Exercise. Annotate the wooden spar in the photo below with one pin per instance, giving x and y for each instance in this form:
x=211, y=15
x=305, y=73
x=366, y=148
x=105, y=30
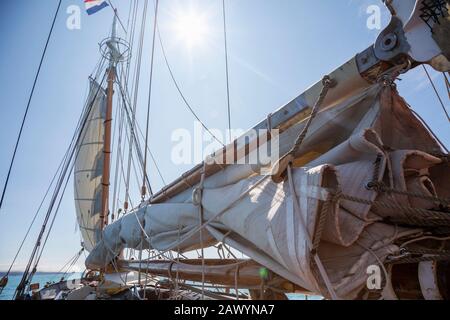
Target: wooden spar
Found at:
x=107, y=147
x=240, y=273
x=349, y=82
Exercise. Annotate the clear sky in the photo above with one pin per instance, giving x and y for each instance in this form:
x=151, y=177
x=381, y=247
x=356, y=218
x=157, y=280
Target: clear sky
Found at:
x=277, y=49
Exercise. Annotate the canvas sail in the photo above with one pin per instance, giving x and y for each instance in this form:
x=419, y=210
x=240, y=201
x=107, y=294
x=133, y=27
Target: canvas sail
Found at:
x=267, y=226
x=89, y=167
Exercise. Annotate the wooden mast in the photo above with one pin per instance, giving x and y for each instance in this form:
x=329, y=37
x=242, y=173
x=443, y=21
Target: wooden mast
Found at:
x=108, y=126
x=107, y=147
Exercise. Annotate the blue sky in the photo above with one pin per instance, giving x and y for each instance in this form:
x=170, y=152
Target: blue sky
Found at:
x=277, y=49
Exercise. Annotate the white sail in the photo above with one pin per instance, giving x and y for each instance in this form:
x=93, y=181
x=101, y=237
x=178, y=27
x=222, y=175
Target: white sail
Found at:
x=89, y=167
x=268, y=227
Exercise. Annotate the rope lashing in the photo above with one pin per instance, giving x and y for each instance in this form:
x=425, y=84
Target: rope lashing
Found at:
x=316, y=259
x=376, y=173
x=382, y=188
x=321, y=224
x=281, y=166
x=408, y=259
x=426, y=217
x=327, y=83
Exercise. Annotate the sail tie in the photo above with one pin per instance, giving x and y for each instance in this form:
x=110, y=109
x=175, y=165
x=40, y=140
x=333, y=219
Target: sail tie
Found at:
x=309, y=241
x=281, y=166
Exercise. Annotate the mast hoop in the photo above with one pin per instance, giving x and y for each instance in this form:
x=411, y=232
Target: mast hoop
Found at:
x=115, y=50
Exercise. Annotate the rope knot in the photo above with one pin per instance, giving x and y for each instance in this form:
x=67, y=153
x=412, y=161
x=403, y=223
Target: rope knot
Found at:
x=197, y=196
x=377, y=186
x=336, y=196
x=328, y=82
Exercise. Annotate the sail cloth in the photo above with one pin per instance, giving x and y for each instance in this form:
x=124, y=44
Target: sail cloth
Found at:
x=88, y=168
x=265, y=224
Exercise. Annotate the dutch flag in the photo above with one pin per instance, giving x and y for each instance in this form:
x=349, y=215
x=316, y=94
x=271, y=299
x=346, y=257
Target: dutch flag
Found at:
x=92, y=6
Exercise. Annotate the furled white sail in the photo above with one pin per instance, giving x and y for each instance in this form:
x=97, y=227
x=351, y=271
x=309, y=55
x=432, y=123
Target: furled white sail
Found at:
x=89, y=167
x=272, y=223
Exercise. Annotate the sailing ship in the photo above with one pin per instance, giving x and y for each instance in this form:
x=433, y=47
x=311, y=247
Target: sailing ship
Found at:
x=360, y=183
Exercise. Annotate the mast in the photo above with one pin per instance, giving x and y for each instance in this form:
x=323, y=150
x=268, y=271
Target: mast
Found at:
x=107, y=148
x=113, y=55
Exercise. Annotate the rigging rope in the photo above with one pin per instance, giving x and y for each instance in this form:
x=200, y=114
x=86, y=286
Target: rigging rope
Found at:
x=227, y=70
x=137, y=72
x=69, y=264
x=151, y=155
x=437, y=93
x=428, y=128
x=155, y=23
x=447, y=84
x=131, y=24
x=285, y=161
x=29, y=103
x=133, y=138
x=139, y=130
x=35, y=255
x=177, y=86
x=117, y=15
x=63, y=160
x=34, y=219
x=118, y=163
x=41, y=247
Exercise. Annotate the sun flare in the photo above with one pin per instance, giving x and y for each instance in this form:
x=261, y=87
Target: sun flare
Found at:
x=191, y=28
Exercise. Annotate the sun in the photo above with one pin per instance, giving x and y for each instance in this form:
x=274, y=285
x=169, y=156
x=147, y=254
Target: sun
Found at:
x=191, y=28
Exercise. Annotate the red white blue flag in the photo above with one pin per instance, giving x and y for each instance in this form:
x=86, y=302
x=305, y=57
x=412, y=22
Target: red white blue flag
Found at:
x=93, y=6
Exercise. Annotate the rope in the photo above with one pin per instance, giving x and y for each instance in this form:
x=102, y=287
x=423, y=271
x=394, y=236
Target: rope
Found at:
x=327, y=83
x=321, y=224
x=429, y=129
x=404, y=260
x=139, y=130
x=193, y=232
x=28, y=104
x=427, y=217
x=386, y=274
x=143, y=193
x=131, y=24
x=74, y=261
x=134, y=106
x=437, y=93
x=51, y=224
x=177, y=86
x=132, y=140
x=227, y=69
x=309, y=242
x=447, y=84
x=71, y=153
x=70, y=261
x=380, y=187
x=118, y=163
x=117, y=15
x=35, y=216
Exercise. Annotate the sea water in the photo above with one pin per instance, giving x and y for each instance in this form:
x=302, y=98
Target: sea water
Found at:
x=44, y=278
x=41, y=278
